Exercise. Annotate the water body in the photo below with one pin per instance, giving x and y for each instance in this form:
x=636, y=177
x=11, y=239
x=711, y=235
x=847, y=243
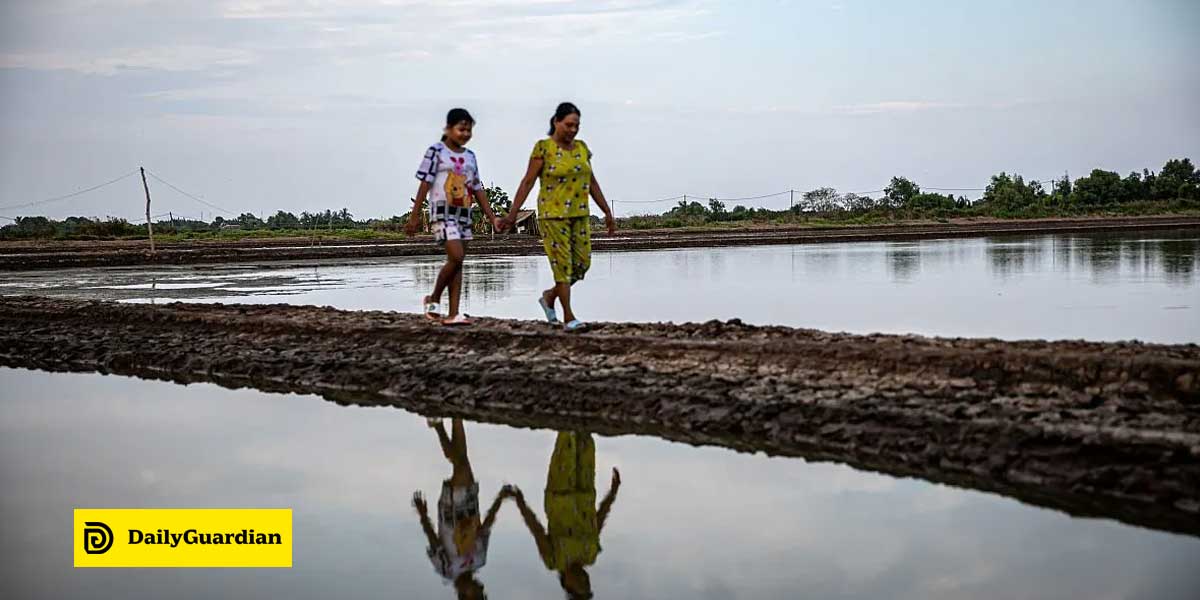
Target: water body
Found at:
x=685, y=522
x=1097, y=286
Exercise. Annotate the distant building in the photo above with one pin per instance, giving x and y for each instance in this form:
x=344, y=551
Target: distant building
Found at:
x=527, y=223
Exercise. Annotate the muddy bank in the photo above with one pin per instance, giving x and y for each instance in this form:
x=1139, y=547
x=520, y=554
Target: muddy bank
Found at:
x=1100, y=429
x=16, y=256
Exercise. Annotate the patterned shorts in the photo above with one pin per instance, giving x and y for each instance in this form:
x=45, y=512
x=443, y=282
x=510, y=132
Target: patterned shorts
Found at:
x=568, y=244
x=451, y=229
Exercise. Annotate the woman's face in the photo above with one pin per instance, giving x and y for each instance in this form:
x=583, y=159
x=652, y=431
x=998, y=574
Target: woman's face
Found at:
x=460, y=132
x=567, y=128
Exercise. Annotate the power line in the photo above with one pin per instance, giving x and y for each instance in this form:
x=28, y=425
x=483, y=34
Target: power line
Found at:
x=71, y=195
x=204, y=202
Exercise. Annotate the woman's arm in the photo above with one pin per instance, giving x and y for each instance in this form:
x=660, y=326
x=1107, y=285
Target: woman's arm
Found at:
x=414, y=217
x=598, y=195
x=531, y=174
x=609, y=498
x=535, y=527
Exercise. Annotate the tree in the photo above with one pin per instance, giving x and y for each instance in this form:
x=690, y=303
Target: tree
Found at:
x=249, y=221
x=283, y=220
x=1173, y=176
x=900, y=192
x=820, y=200
x=1011, y=193
x=1100, y=188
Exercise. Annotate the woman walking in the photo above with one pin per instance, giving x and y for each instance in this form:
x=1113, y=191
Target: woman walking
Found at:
x=564, y=166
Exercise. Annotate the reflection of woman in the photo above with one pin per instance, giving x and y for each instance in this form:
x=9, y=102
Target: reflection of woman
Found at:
x=572, y=540
x=564, y=166
x=459, y=546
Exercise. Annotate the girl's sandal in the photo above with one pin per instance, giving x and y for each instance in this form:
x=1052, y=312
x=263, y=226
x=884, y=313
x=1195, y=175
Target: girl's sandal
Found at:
x=457, y=321
x=575, y=326
x=433, y=311
x=551, y=318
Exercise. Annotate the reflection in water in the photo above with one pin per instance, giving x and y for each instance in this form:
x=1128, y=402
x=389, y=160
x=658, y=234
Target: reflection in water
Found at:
x=571, y=542
x=1103, y=258
x=904, y=262
x=568, y=544
x=1096, y=286
x=458, y=548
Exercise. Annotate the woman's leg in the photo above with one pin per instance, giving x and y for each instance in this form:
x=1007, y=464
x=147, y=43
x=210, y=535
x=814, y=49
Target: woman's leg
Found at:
x=580, y=259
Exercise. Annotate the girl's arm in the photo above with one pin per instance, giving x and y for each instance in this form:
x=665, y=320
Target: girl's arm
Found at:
x=426, y=526
x=531, y=175
x=490, y=518
x=598, y=195
x=481, y=198
x=414, y=217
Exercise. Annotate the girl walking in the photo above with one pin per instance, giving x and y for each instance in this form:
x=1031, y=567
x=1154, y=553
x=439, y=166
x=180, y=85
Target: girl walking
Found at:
x=449, y=176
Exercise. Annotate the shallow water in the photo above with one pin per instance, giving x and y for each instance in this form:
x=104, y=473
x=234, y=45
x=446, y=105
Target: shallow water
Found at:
x=686, y=522
x=1097, y=286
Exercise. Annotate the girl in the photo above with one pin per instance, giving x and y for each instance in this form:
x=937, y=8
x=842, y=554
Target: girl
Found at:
x=564, y=165
x=458, y=547
x=449, y=175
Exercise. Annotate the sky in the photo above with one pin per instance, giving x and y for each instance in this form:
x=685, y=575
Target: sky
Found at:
x=263, y=105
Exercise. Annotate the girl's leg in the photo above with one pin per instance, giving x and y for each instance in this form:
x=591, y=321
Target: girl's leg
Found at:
x=456, y=286
x=454, y=259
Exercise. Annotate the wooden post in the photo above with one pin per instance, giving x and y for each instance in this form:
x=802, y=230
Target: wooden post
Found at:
x=791, y=199
x=149, y=225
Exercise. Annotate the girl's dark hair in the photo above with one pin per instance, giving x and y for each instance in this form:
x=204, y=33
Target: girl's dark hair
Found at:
x=456, y=116
x=560, y=113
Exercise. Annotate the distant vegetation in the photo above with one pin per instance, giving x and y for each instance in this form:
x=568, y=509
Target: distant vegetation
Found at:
x=1175, y=189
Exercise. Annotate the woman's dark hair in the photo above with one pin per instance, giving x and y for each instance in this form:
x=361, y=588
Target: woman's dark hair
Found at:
x=560, y=113
x=456, y=116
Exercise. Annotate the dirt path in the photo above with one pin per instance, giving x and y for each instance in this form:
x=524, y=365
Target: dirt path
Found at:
x=20, y=256
x=1102, y=429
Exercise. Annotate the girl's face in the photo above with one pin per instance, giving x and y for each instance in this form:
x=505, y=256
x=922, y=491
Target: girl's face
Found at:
x=567, y=128
x=460, y=132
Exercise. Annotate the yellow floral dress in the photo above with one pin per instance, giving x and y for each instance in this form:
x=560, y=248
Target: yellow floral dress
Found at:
x=566, y=180
x=571, y=503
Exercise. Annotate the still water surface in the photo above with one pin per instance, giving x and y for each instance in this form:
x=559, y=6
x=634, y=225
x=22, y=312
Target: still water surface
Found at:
x=686, y=522
x=1097, y=287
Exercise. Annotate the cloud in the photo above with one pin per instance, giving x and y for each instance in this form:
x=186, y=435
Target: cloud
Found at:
x=171, y=59
x=894, y=106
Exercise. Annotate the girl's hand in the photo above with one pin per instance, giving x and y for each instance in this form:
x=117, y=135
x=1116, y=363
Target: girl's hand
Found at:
x=497, y=223
x=611, y=223
x=418, y=502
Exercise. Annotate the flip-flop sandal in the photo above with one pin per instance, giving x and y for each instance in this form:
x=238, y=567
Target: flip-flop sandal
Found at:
x=457, y=321
x=433, y=311
x=551, y=318
x=575, y=326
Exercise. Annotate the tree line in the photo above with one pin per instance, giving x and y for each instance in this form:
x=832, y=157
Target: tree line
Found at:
x=1174, y=187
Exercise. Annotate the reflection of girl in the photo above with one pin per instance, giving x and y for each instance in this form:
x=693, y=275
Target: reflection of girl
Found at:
x=459, y=546
x=572, y=541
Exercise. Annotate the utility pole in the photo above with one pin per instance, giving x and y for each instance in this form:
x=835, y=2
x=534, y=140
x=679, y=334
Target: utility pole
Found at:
x=149, y=225
x=791, y=199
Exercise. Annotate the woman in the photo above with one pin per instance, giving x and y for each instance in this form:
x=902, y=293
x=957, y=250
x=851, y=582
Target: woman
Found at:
x=570, y=542
x=564, y=166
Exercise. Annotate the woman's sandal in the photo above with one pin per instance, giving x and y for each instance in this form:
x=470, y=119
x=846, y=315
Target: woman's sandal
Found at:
x=574, y=326
x=433, y=311
x=551, y=318
x=457, y=321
